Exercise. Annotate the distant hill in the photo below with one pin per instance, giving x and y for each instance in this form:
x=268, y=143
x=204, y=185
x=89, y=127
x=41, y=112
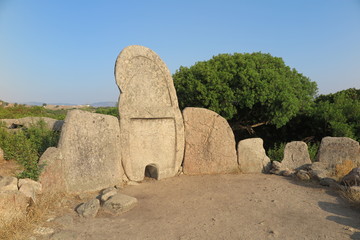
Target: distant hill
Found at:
x=41, y=103
x=104, y=104
x=97, y=104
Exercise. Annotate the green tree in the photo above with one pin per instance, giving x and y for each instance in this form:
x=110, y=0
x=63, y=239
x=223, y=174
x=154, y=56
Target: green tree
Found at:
x=249, y=90
x=339, y=113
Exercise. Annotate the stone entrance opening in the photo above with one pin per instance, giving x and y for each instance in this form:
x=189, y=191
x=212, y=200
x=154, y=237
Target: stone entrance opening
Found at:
x=151, y=171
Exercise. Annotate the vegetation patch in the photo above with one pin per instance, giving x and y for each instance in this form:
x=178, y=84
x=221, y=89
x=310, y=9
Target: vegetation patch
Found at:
x=276, y=153
x=22, y=228
x=20, y=111
x=27, y=145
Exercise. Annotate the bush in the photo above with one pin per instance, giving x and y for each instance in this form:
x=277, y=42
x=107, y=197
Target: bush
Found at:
x=20, y=111
x=276, y=153
x=26, y=146
x=113, y=111
x=313, y=149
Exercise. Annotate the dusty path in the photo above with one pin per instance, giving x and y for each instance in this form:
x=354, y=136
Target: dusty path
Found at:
x=227, y=207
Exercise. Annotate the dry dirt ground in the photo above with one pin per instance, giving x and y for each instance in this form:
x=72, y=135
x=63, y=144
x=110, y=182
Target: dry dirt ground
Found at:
x=239, y=206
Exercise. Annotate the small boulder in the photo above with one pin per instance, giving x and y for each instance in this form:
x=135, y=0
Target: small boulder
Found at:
x=303, y=175
x=276, y=165
x=287, y=173
x=107, y=193
x=119, y=203
x=296, y=154
x=352, y=178
x=252, y=157
x=320, y=170
x=8, y=183
x=327, y=182
x=29, y=187
x=89, y=208
x=355, y=189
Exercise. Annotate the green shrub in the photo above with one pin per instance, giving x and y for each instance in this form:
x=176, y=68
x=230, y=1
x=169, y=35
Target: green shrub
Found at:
x=313, y=149
x=113, y=111
x=20, y=111
x=26, y=146
x=276, y=153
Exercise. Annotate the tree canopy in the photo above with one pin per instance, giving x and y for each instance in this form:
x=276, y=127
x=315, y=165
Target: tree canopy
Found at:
x=246, y=89
x=340, y=113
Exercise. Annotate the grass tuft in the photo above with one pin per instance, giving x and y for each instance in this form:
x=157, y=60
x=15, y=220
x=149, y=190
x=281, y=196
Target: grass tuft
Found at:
x=22, y=228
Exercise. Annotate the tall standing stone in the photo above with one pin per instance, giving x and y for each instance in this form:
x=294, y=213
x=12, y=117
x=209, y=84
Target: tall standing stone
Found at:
x=335, y=150
x=209, y=143
x=152, y=129
x=87, y=157
x=296, y=154
x=252, y=156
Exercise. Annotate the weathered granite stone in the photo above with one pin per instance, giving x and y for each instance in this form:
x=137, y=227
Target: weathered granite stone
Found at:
x=13, y=205
x=8, y=183
x=327, y=182
x=107, y=194
x=52, y=178
x=50, y=123
x=352, y=178
x=287, y=173
x=334, y=150
x=320, y=170
x=209, y=143
x=296, y=154
x=88, y=155
x=355, y=189
x=276, y=165
x=252, y=157
x=30, y=188
x=276, y=168
x=303, y=175
x=89, y=208
x=119, y=203
x=152, y=129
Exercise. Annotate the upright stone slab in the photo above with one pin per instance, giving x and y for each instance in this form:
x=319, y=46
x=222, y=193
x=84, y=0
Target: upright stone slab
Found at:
x=296, y=154
x=88, y=154
x=152, y=129
x=335, y=150
x=252, y=156
x=209, y=143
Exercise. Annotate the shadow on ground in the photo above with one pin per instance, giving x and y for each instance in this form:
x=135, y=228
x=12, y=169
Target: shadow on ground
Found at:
x=342, y=212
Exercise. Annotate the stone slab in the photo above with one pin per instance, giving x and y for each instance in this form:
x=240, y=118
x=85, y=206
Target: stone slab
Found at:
x=252, y=157
x=152, y=129
x=334, y=150
x=119, y=203
x=209, y=143
x=296, y=154
x=88, y=154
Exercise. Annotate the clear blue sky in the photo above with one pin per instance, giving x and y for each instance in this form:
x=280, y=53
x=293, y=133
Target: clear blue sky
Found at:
x=64, y=51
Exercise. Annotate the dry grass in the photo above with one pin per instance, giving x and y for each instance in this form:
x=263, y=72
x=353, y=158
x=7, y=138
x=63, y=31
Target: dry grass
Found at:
x=36, y=213
x=344, y=168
